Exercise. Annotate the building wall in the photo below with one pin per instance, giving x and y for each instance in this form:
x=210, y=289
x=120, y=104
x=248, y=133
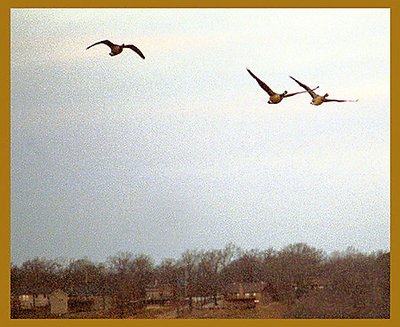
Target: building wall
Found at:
x=29, y=301
x=26, y=301
x=58, y=302
x=153, y=295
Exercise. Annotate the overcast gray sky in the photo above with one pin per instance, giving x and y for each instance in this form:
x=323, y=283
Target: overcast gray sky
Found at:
x=181, y=150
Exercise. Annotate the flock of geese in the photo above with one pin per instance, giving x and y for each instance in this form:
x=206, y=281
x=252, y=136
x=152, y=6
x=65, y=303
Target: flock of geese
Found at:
x=274, y=98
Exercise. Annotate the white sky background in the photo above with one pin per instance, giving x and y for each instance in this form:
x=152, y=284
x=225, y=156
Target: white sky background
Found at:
x=181, y=150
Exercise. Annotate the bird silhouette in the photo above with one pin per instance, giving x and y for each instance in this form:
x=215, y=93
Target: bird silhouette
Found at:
x=117, y=49
x=318, y=99
x=274, y=98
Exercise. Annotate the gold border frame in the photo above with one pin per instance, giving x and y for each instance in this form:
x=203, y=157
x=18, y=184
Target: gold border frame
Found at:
x=6, y=5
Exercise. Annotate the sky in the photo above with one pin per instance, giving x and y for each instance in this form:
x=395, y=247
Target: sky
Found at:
x=181, y=150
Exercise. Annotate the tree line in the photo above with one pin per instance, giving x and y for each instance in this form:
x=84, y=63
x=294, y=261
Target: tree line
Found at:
x=347, y=284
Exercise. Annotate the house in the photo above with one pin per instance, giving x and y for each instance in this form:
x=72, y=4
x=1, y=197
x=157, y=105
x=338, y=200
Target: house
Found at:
x=103, y=303
x=58, y=302
x=159, y=293
x=318, y=283
x=90, y=299
x=246, y=293
x=31, y=301
x=62, y=301
x=31, y=298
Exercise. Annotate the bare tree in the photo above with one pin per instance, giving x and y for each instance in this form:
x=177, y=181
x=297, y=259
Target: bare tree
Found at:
x=167, y=273
x=357, y=285
x=142, y=273
x=298, y=266
x=131, y=274
x=187, y=281
x=211, y=279
x=120, y=267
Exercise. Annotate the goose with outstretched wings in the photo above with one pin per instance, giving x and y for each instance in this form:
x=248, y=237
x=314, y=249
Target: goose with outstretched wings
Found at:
x=117, y=49
x=318, y=99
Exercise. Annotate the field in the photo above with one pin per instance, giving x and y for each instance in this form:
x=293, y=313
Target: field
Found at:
x=261, y=311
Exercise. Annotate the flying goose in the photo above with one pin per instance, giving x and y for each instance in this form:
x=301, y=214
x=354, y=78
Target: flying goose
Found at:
x=274, y=98
x=318, y=99
x=117, y=49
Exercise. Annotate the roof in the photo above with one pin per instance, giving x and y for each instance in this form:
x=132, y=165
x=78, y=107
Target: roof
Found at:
x=58, y=292
x=247, y=287
x=88, y=290
x=31, y=290
x=158, y=288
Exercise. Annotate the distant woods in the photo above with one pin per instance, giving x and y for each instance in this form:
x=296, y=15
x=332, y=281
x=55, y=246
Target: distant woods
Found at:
x=347, y=284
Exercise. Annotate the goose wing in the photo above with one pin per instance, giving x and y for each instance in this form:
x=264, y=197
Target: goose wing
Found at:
x=106, y=42
x=329, y=100
x=291, y=94
x=311, y=92
x=264, y=86
x=131, y=46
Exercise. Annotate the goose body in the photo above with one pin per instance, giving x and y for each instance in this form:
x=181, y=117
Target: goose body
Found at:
x=274, y=98
x=316, y=98
x=117, y=49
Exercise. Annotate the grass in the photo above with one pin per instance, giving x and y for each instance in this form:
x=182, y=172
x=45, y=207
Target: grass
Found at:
x=261, y=311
